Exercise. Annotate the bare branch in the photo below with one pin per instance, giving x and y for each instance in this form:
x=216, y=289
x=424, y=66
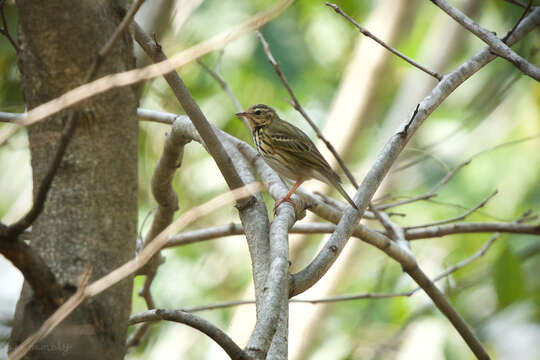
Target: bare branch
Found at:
x=146, y=294
x=223, y=84
x=525, y=12
x=17, y=228
x=431, y=193
x=7, y=117
x=214, y=333
x=5, y=30
x=162, y=190
x=518, y=3
x=35, y=271
x=386, y=46
x=395, y=231
x=462, y=228
x=272, y=313
x=300, y=109
x=457, y=218
x=497, y=45
x=219, y=231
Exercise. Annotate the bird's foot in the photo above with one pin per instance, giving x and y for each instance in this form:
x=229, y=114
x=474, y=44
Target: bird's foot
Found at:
x=281, y=201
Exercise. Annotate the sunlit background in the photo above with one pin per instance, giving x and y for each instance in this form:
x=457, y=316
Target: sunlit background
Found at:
x=359, y=94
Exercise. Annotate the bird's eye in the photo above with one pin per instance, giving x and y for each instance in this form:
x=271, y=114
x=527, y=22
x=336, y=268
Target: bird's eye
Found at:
x=257, y=112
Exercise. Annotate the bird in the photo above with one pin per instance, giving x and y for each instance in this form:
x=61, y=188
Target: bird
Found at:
x=289, y=151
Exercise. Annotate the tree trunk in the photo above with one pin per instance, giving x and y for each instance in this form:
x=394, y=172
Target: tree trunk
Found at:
x=90, y=215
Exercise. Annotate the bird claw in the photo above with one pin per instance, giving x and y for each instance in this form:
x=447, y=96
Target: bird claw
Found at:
x=281, y=201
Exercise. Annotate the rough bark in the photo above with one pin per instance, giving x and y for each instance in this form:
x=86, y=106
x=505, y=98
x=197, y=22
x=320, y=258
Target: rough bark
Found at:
x=90, y=215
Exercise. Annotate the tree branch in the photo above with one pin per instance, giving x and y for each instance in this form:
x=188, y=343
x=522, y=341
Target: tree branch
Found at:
x=271, y=313
x=461, y=228
x=207, y=328
x=497, y=45
x=5, y=30
x=525, y=12
x=382, y=43
x=457, y=218
x=34, y=269
x=431, y=193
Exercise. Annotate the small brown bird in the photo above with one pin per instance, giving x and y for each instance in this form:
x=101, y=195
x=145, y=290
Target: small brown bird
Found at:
x=289, y=151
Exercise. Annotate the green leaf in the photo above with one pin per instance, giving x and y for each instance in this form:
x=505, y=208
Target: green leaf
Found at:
x=508, y=278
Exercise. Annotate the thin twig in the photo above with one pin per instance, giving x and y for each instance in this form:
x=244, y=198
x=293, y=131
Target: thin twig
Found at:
x=224, y=85
x=394, y=231
x=296, y=104
x=518, y=3
x=479, y=253
x=5, y=30
x=525, y=12
x=106, y=49
x=146, y=294
x=386, y=46
x=431, y=193
x=457, y=218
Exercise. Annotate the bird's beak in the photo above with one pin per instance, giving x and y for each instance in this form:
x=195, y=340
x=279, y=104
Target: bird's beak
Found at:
x=241, y=114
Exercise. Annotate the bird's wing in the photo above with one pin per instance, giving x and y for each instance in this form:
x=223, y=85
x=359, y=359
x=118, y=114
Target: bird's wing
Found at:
x=288, y=139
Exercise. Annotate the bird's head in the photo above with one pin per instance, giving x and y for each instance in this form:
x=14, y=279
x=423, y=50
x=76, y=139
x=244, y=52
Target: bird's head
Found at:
x=259, y=115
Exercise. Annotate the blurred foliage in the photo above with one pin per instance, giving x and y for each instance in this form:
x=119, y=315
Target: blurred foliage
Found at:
x=501, y=290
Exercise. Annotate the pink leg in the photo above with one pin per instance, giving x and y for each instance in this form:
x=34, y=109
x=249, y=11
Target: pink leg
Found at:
x=288, y=196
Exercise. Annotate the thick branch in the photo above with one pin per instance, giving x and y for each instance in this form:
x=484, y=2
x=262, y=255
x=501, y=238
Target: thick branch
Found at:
x=276, y=287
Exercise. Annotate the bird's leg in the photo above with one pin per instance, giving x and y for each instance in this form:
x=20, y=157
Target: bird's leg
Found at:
x=288, y=196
